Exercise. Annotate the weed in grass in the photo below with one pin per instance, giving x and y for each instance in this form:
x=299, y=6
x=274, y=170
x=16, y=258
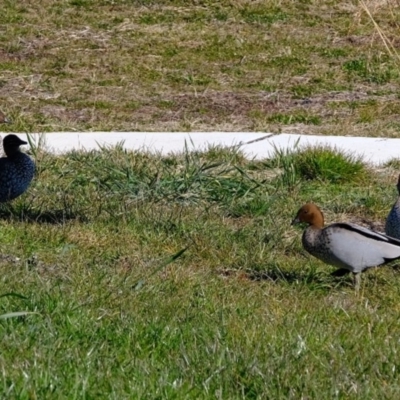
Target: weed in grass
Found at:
x=324, y=163
x=369, y=70
x=263, y=15
x=318, y=163
x=393, y=163
x=301, y=91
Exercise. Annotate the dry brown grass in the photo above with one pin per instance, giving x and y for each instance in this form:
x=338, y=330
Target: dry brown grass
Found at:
x=314, y=67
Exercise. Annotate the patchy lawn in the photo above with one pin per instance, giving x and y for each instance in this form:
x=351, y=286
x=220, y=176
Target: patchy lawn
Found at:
x=293, y=66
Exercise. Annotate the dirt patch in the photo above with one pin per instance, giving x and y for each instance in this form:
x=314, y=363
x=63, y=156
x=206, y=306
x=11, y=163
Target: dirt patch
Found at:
x=216, y=104
x=24, y=49
x=64, y=114
x=219, y=105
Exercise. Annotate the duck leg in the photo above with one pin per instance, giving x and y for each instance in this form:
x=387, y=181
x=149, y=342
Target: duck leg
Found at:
x=357, y=280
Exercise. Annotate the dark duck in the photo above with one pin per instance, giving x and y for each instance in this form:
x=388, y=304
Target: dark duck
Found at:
x=16, y=169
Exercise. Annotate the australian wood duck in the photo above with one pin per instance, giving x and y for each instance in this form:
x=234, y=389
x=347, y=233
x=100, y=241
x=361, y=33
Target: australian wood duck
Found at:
x=346, y=246
x=16, y=169
x=392, y=227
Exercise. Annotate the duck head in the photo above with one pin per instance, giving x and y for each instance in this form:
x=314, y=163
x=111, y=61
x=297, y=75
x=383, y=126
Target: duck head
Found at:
x=11, y=144
x=311, y=215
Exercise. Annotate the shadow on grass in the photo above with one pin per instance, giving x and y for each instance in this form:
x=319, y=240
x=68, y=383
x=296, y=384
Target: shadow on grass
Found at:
x=311, y=278
x=56, y=217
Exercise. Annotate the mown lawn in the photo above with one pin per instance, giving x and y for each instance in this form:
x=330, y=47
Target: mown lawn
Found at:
x=322, y=67
x=181, y=277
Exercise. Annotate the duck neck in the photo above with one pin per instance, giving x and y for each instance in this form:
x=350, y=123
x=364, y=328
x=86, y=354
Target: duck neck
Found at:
x=12, y=152
x=318, y=221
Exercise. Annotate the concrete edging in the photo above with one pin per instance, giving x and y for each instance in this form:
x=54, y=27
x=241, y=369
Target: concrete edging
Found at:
x=256, y=145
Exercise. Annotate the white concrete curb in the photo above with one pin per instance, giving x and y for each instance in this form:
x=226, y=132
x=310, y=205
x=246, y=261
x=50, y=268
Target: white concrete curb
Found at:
x=256, y=145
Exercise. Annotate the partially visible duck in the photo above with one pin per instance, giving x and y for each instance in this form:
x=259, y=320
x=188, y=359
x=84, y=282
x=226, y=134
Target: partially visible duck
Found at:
x=346, y=246
x=16, y=169
x=4, y=119
x=392, y=227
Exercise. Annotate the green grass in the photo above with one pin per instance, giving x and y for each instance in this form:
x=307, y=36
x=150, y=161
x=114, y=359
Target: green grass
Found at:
x=130, y=275
x=200, y=65
x=320, y=163
x=181, y=277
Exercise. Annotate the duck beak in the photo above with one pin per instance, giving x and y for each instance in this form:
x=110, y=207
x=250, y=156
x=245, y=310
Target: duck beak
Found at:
x=295, y=221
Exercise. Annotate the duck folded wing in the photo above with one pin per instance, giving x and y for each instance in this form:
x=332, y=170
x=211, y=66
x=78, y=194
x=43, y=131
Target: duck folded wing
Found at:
x=361, y=248
x=368, y=233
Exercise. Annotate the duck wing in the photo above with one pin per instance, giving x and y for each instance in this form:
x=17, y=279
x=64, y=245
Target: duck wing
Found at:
x=392, y=226
x=360, y=248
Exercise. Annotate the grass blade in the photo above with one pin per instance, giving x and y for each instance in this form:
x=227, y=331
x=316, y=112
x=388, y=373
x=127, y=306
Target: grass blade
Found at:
x=139, y=284
x=20, y=296
x=16, y=314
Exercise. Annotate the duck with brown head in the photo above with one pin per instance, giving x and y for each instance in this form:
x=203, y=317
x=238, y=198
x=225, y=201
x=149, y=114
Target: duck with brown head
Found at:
x=16, y=169
x=346, y=246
